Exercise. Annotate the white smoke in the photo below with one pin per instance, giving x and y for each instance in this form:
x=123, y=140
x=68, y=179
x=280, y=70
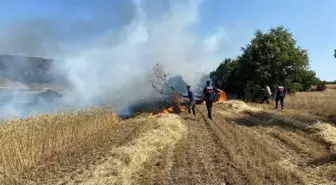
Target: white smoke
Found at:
x=115, y=65
x=169, y=40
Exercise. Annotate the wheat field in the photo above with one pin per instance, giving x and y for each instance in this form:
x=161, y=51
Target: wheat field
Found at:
x=244, y=144
x=320, y=104
x=32, y=141
x=310, y=106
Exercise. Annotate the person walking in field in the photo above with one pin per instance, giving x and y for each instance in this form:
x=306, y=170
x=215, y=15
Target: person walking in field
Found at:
x=209, y=97
x=267, y=95
x=280, y=94
x=192, y=101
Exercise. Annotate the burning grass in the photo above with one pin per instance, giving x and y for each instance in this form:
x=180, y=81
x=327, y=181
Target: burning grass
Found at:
x=176, y=107
x=221, y=97
x=179, y=105
x=29, y=142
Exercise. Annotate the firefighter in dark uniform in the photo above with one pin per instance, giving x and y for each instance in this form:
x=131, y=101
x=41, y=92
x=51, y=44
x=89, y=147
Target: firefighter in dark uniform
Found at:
x=280, y=96
x=209, y=97
x=192, y=101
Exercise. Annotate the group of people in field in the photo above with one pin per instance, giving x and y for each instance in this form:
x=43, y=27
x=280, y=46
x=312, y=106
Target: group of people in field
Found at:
x=209, y=97
x=280, y=94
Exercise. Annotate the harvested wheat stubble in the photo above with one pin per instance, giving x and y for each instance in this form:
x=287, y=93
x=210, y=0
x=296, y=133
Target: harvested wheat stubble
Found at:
x=122, y=164
x=242, y=145
x=298, y=143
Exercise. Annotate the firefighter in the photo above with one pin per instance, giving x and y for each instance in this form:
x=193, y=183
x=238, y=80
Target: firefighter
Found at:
x=192, y=101
x=280, y=94
x=209, y=97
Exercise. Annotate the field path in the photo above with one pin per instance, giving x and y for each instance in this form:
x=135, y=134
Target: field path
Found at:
x=234, y=148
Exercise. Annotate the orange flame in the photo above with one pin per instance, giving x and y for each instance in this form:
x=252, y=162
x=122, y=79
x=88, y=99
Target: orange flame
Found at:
x=221, y=97
x=182, y=108
x=172, y=109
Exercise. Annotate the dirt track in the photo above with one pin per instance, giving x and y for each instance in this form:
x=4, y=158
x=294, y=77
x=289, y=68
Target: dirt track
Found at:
x=234, y=148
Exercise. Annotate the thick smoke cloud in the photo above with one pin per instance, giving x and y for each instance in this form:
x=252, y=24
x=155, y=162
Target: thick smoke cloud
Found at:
x=114, y=64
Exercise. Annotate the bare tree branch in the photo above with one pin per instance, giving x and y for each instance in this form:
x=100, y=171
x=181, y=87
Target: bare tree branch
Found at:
x=160, y=85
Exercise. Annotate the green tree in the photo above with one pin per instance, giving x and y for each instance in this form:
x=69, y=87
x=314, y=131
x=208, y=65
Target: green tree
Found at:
x=269, y=58
x=222, y=73
x=332, y=82
x=225, y=76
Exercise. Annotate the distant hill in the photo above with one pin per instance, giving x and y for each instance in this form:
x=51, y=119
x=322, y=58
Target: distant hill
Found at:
x=6, y=83
x=27, y=69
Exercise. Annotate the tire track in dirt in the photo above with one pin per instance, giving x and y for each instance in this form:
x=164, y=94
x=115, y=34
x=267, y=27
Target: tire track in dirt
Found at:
x=223, y=135
x=258, y=161
x=234, y=174
x=197, y=159
x=205, y=156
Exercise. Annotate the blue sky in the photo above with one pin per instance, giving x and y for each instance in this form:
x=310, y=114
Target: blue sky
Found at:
x=311, y=22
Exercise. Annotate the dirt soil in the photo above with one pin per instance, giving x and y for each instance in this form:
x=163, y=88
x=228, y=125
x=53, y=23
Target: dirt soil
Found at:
x=237, y=147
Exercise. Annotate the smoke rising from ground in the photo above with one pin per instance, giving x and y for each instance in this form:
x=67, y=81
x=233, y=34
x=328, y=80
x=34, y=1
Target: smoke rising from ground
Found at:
x=115, y=65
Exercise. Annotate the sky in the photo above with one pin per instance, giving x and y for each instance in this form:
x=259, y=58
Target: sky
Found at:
x=225, y=25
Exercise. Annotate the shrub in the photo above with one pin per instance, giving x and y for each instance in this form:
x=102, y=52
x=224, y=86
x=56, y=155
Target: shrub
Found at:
x=321, y=86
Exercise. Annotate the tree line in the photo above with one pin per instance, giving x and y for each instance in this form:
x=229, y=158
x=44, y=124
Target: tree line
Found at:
x=271, y=58
x=331, y=82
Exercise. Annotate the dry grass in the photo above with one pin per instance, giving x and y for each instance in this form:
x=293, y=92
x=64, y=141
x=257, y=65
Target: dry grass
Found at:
x=293, y=118
x=309, y=106
x=325, y=131
x=321, y=104
x=317, y=108
x=128, y=160
x=252, y=150
x=245, y=144
x=29, y=142
x=332, y=87
x=305, y=148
